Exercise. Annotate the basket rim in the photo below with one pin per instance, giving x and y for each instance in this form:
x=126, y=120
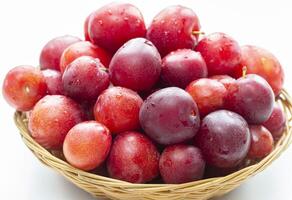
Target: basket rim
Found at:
x=282, y=144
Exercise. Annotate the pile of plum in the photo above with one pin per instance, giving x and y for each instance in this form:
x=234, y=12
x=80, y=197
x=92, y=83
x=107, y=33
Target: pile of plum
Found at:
x=141, y=104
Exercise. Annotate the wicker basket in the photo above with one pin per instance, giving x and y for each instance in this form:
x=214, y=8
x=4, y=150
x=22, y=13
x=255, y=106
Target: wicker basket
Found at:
x=104, y=187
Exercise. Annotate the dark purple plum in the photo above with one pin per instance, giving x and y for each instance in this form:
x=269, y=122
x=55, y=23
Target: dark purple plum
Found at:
x=252, y=97
x=183, y=66
x=85, y=78
x=170, y=116
x=136, y=65
x=224, y=139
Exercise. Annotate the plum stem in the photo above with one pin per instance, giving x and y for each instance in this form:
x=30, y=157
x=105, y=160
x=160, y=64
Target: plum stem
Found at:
x=198, y=32
x=244, y=71
x=104, y=69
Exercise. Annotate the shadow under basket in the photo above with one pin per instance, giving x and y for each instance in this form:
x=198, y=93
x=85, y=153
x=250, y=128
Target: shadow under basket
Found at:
x=104, y=187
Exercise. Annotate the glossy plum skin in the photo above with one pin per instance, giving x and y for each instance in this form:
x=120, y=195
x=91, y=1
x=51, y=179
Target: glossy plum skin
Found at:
x=51, y=119
x=226, y=80
x=221, y=53
x=172, y=29
x=51, y=53
x=263, y=63
x=181, y=163
x=133, y=158
x=87, y=145
x=83, y=48
x=114, y=24
x=118, y=108
x=251, y=97
x=85, y=28
x=85, y=78
x=53, y=80
x=183, y=66
x=262, y=142
x=23, y=86
x=276, y=122
x=164, y=121
x=208, y=94
x=136, y=65
x=223, y=138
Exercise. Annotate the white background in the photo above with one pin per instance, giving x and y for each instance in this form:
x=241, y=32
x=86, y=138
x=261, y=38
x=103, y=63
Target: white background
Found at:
x=25, y=26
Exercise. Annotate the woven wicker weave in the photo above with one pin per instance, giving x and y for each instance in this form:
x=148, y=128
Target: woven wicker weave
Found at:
x=104, y=187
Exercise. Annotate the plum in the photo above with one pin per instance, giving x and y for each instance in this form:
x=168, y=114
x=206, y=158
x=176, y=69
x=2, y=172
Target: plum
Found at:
x=51, y=53
x=170, y=116
x=51, y=119
x=23, y=86
x=87, y=145
x=224, y=139
x=136, y=65
x=181, y=163
x=181, y=67
x=118, y=108
x=133, y=158
x=114, y=24
x=173, y=28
